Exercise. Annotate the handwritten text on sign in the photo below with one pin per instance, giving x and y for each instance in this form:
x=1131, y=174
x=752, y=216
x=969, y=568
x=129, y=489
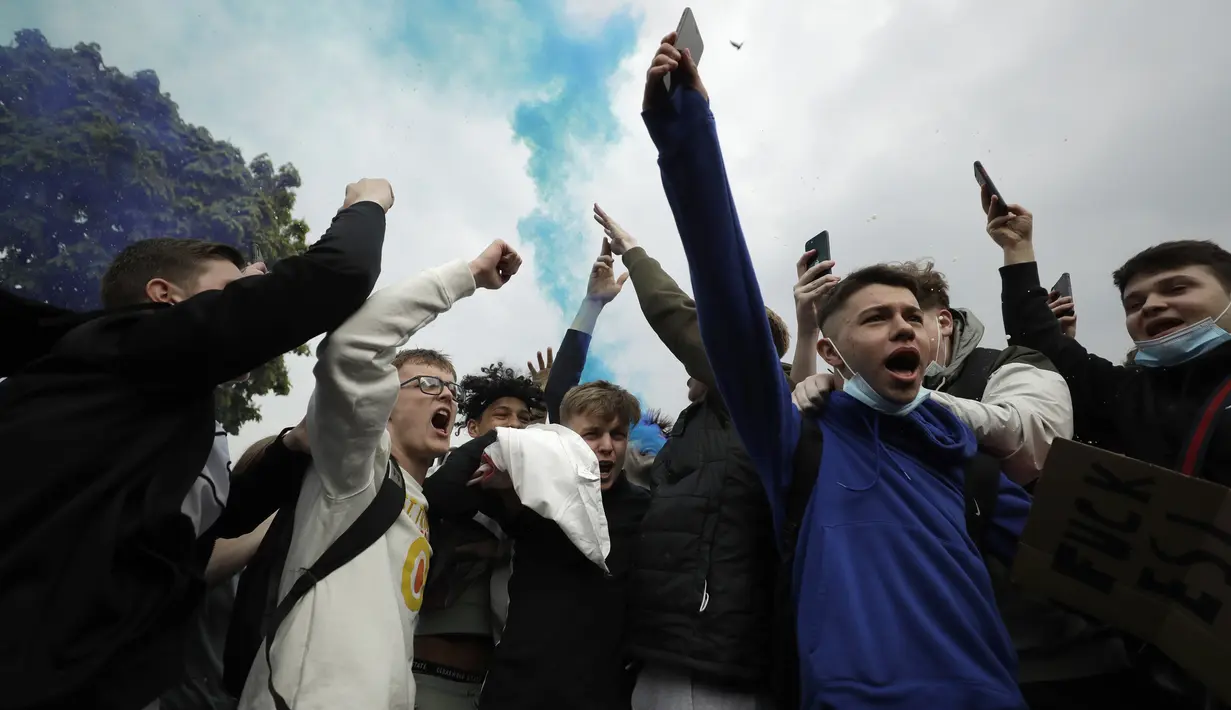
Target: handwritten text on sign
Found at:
x=1139, y=547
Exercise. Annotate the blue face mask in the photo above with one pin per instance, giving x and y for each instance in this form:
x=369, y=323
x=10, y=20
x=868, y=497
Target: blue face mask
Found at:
x=1188, y=343
x=859, y=388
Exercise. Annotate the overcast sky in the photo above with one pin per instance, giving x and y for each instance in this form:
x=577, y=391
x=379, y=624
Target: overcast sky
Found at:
x=496, y=119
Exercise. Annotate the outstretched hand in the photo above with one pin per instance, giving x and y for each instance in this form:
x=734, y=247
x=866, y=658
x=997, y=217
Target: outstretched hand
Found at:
x=620, y=240
x=666, y=60
x=495, y=266
x=543, y=371
x=604, y=286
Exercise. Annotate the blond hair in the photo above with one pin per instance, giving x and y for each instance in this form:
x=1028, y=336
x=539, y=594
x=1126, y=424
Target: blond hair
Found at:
x=603, y=400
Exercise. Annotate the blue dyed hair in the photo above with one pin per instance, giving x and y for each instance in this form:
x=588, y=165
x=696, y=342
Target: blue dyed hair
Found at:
x=648, y=436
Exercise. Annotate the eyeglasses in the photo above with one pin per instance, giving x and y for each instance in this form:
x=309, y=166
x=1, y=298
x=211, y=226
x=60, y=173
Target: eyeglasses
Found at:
x=433, y=386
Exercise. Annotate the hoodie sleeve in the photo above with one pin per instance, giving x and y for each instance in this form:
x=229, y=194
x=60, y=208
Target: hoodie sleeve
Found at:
x=1094, y=383
x=730, y=310
x=570, y=358
x=447, y=490
x=1009, y=520
x=670, y=312
x=1024, y=408
x=217, y=336
x=356, y=382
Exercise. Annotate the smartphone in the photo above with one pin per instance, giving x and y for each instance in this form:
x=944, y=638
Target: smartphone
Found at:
x=687, y=36
x=821, y=244
x=984, y=180
x=1064, y=286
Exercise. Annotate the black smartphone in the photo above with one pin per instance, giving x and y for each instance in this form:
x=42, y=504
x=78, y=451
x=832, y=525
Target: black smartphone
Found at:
x=821, y=244
x=1064, y=286
x=985, y=180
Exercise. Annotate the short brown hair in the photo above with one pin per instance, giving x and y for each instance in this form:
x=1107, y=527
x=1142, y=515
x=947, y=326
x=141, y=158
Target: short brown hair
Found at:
x=882, y=274
x=933, y=288
x=1175, y=255
x=424, y=356
x=601, y=399
x=779, y=332
x=176, y=260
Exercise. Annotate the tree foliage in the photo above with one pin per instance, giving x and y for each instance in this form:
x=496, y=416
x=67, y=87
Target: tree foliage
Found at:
x=92, y=159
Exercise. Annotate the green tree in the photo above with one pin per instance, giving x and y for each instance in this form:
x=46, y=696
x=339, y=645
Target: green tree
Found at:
x=92, y=159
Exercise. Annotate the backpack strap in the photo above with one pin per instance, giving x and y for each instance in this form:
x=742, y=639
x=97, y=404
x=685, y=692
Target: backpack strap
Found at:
x=971, y=380
x=1203, y=430
x=370, y=526
x=981, y=489
x=805, y=468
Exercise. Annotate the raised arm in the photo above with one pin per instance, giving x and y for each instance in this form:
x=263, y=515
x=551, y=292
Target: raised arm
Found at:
x=1095, y=383
x=1025, y=406
x=217, y=336
x=730, y=311
x=669, y=311
x=601, y=289
x=356, y=382
x=815, y=280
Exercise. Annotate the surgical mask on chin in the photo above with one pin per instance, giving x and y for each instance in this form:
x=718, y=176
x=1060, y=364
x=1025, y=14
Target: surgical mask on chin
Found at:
x=1188, y=343
x=934, y=367
x=859, y=388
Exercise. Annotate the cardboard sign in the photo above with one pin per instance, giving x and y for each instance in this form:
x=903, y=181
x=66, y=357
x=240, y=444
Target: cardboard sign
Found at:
x=1144, y=549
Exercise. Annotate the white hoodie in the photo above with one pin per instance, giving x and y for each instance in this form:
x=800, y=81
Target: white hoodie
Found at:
x=349, y=642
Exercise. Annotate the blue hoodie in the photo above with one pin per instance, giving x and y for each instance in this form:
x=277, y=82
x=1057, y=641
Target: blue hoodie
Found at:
x=894, y=606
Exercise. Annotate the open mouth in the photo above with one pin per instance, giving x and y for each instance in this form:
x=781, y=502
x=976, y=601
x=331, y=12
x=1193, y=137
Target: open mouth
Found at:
x=605, y=468
x=440, y=421
x=1162, y=326
x=903, y=363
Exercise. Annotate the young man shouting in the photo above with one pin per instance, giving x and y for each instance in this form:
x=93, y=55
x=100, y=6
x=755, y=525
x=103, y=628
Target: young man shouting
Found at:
x=893, y=605
x=376, y=418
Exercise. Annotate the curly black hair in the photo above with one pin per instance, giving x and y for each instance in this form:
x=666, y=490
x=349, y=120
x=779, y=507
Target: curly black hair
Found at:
x=494, y=382
x=664, y=421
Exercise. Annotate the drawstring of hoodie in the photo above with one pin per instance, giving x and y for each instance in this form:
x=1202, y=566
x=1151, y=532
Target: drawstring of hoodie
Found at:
x=874, y=426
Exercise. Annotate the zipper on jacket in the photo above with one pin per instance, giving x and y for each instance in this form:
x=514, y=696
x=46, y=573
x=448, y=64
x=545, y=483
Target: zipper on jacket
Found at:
x=705, y=595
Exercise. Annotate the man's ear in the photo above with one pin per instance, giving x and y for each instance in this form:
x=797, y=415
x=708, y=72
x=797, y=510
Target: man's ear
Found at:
x=161, y=291
x=472, y=428
x=945, y=318
x=829, y=353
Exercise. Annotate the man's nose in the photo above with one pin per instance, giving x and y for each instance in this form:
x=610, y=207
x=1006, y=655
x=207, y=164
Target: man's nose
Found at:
x=446, y=394
x=1154, y=303
x=605, y=444
x=903, y=329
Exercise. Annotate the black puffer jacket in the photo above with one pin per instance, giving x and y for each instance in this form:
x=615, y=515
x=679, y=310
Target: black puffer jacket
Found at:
x=701, y=593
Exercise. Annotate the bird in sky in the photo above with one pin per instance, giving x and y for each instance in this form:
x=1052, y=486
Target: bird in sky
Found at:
x=737, y=45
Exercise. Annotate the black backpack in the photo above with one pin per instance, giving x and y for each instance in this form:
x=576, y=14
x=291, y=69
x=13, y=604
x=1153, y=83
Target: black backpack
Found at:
x=258, y=613
x=982, y=484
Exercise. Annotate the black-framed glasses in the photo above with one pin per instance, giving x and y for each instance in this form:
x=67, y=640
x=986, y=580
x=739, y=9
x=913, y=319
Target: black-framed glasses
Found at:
x=433, y=386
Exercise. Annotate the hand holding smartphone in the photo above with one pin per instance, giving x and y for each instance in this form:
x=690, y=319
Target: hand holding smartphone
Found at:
x=999, y=207
x=687, y=36
x=1063, y=289
x=819, y=243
